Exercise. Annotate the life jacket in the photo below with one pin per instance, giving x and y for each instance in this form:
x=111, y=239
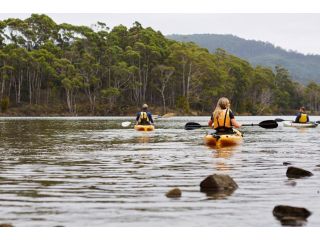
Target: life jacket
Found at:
x=303, y=118
x=144, y=119
x=223, y=121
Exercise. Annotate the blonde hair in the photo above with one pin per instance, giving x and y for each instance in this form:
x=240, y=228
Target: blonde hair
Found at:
x=223, y=103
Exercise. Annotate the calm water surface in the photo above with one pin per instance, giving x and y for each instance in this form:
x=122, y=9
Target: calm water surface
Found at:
x=92, y=172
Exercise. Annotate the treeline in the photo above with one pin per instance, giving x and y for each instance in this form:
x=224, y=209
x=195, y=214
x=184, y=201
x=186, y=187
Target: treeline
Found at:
x=303, y=68
x=102, y=71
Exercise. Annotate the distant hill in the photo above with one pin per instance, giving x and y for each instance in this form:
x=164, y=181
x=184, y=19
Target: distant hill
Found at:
x=303, y=68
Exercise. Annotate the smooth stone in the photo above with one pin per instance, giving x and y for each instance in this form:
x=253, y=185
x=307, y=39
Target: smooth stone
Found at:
x=285, y=211
x=6, y=225
x=294, y=172
x=174, y=193
x=217, y=183
x=286, y=163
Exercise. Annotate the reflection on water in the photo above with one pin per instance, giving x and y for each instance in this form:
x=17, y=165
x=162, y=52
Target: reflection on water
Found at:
x=221, y=155
x=214, y=195
x=224, y=152
x=145, y=138
x=93, y=172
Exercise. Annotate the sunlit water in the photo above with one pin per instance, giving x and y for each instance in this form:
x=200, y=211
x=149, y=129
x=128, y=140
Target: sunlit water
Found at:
x=93, y=172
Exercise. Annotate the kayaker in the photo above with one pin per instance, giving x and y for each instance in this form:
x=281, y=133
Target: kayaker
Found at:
x=302, y=116
x=222, y=119
x=144, y=117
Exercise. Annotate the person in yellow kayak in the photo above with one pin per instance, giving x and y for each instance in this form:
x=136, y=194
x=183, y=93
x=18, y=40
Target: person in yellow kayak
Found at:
x=144, y=117
x=302, y=116
x=222, y=119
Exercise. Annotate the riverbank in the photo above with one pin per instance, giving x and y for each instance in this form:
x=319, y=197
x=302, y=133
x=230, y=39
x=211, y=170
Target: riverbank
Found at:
x=61, y=110
x=102, y=110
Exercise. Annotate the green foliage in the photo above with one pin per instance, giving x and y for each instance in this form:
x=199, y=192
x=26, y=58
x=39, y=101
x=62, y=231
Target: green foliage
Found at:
x=182, y=104
x=97, y=70
x=4, y=104
x=110, y=92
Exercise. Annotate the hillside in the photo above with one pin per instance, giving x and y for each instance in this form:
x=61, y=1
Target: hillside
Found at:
x=303, y=68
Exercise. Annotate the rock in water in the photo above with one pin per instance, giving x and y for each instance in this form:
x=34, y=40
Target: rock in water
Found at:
x=174, y=193
x=218, y=183
x=286, y=163
x=293, y=222
x=6, y=225
x=284, y=211
x=294, y=172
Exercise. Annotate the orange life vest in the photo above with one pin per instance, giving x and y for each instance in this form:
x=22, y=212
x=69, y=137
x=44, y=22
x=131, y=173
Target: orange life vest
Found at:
x=223, y=120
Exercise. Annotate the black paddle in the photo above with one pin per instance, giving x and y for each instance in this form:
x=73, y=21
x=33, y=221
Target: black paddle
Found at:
x=281, y=120
x=264, y=124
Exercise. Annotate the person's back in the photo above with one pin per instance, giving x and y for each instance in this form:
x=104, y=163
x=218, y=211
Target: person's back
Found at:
x=144, y=117
x=302, y=116
x=222, y=119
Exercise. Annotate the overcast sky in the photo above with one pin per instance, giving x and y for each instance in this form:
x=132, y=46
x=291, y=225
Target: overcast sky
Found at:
x=294, y=31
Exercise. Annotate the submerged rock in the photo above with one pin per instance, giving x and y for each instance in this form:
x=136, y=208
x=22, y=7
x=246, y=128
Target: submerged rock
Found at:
x=174, y=193
x=285, y=212
x=286, y=163
x=293, y=221
x=6, y=225
x=216, y=183
x=223, y=194
x=294, y=172
x=291, y=216
x=291, y=183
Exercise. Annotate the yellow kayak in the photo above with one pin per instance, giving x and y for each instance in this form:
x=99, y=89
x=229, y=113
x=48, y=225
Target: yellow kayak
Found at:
x=300, y=125
x=223, y=140
x=145, y=128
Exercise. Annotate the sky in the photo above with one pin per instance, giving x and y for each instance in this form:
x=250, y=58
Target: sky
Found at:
x=291, y=31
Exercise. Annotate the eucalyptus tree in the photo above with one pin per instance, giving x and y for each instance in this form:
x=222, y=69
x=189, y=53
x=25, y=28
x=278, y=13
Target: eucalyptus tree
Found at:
x=162, y=75
x=71, y=81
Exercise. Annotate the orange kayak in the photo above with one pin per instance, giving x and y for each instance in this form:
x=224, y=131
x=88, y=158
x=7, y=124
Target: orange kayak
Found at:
x=223, y=140
x=145, y=128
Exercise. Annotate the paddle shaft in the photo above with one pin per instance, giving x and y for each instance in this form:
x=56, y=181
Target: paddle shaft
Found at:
x=249, y=125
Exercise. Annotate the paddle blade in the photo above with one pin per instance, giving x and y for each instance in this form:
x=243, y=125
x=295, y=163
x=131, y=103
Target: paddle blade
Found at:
x=125, y=124
x=268, y=124
x=279, y=120
x=192, y=126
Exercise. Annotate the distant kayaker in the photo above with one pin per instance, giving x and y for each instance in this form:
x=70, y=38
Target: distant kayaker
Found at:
x=222, y=119
x=302, y=117
x=144, y=117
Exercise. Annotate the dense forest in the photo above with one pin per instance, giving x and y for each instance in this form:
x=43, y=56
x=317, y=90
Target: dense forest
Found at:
x=50, y=68
x=303, y=68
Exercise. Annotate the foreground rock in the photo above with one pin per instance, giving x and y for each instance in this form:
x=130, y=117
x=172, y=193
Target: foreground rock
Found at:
x=294, y=172
x=174, y=193
x=6, y=225
x=218, y=183
x=291, y=216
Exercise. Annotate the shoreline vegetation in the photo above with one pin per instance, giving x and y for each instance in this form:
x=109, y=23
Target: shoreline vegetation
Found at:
x=43, y=111
x=50, y=69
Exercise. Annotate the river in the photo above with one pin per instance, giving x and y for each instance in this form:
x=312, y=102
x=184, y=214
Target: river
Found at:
x=90, y=171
